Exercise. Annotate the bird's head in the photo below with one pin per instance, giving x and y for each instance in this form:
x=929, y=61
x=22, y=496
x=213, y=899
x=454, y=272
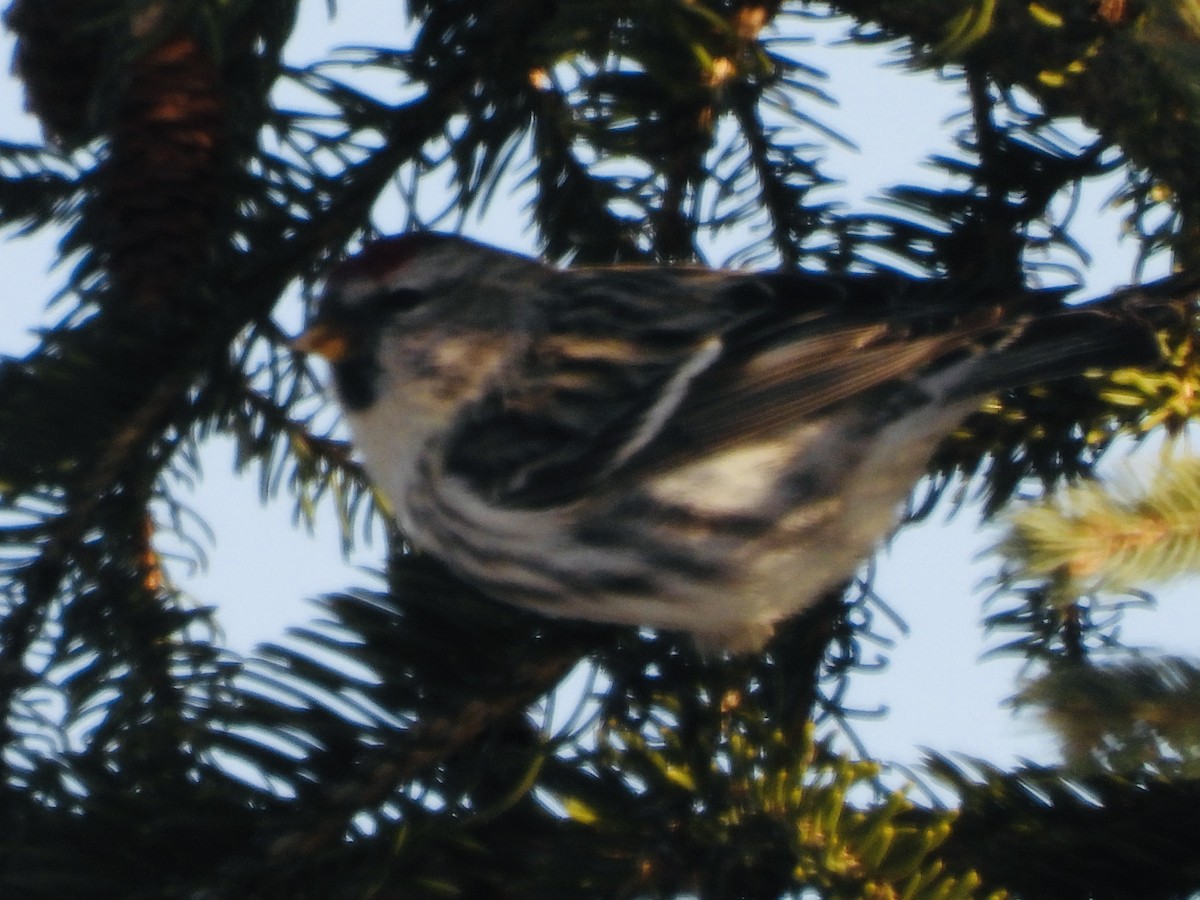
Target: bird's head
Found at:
x=387, y=278
x=411, y=284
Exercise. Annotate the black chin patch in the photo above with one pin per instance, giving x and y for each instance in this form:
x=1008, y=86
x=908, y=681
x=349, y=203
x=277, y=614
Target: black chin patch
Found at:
x=357, y=381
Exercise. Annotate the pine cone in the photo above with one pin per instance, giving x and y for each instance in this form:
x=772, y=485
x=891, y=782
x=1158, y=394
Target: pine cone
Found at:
x=59, y=54
x=160, y=177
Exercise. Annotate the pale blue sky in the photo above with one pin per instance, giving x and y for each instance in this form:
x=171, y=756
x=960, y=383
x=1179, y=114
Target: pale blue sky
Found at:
x=262, y=567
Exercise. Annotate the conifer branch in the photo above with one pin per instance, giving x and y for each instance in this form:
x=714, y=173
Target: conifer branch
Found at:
x=1136, y=718
x=1110, y=537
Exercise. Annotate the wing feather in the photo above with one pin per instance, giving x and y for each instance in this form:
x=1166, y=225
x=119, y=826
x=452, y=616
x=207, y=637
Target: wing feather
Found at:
x=637, y=375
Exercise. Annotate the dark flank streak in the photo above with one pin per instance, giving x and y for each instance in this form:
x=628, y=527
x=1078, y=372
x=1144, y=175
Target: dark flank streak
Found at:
x=680, y=534
x=634, y=585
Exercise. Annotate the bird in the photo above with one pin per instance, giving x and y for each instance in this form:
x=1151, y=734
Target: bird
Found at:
x=670, y=447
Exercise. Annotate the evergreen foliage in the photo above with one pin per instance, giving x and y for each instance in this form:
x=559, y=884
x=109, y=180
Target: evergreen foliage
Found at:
x=1139, y=715
x=1112, y=538
x=412, y=740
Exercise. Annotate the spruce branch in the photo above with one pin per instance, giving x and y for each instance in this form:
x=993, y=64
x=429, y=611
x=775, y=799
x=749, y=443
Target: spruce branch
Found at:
x=415, y=752
x=1051, y=837
x=1109, y=537
x=1136, y=718
x=1117, y=72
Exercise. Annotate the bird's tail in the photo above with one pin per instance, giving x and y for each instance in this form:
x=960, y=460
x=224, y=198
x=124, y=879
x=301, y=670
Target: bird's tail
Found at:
x=1114, y=332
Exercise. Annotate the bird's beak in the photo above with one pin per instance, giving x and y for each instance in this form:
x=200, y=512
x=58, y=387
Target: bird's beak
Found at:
x=323, y=339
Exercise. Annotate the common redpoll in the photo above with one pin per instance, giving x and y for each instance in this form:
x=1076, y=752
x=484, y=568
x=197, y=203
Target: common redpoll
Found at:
x=680, y=448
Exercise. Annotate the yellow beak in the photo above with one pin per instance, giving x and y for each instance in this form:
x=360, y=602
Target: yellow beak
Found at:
x=323, y=339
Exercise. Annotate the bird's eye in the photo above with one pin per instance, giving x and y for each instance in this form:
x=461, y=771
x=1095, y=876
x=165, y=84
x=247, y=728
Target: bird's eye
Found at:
x=398, y=300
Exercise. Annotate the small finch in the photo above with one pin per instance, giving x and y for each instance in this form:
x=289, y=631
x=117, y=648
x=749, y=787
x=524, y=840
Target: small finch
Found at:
x=672, y=447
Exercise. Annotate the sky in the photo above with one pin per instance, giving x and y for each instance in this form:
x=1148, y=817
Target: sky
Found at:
x=938, y=691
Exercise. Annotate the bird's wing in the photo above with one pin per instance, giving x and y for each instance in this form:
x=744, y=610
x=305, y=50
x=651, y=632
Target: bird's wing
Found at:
x=785, y=367
x=643, y=378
